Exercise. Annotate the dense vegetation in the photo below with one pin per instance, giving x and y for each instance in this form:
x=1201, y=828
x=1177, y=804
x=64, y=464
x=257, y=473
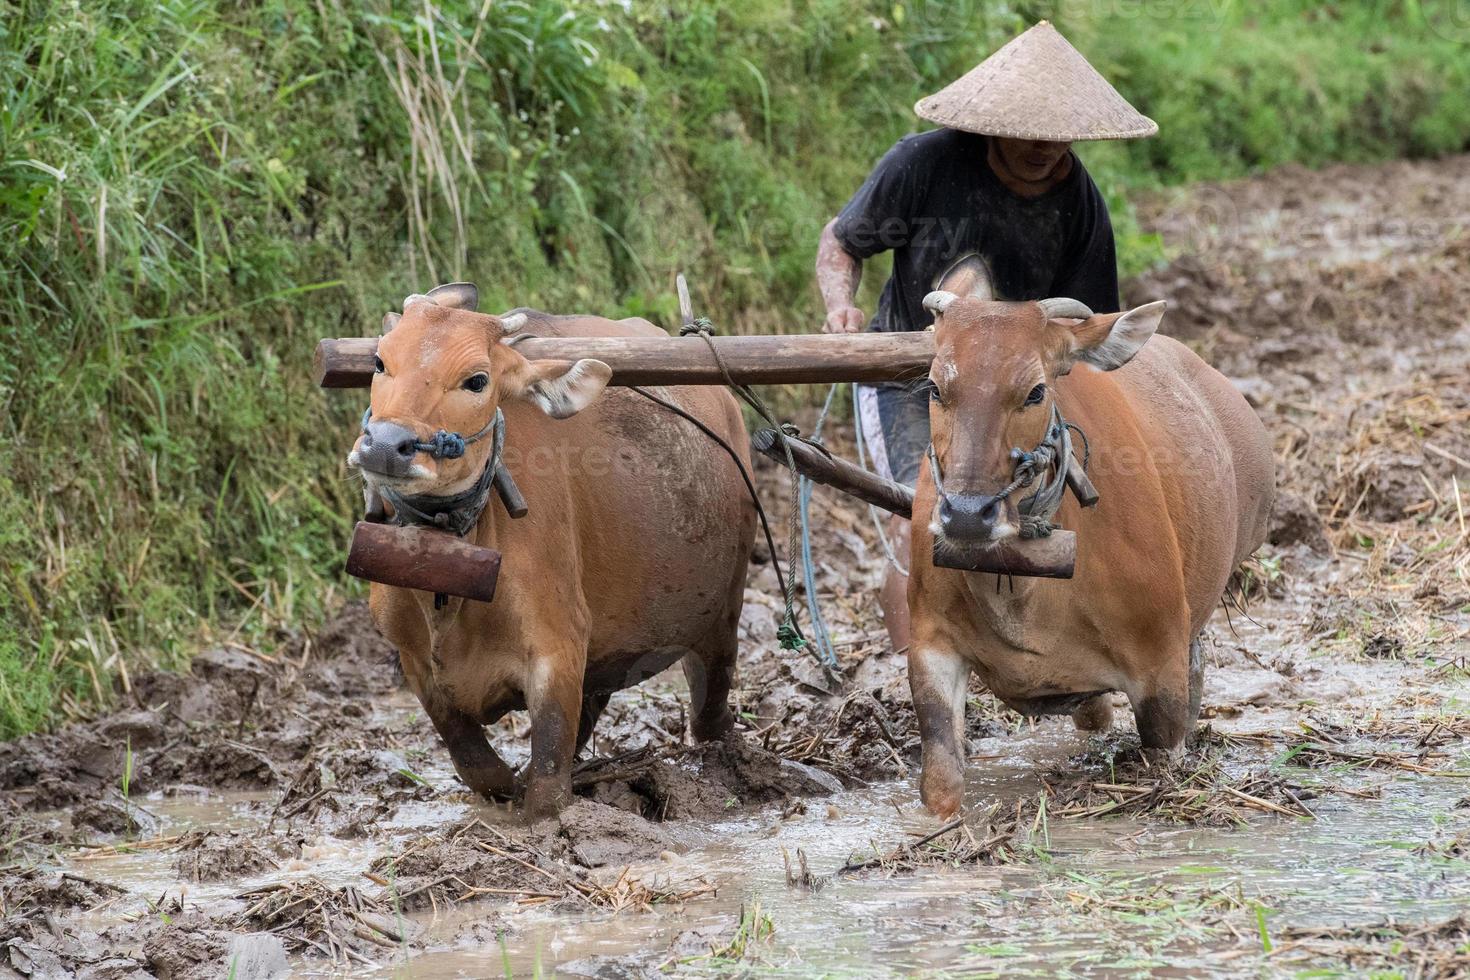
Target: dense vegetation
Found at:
x=191, y=193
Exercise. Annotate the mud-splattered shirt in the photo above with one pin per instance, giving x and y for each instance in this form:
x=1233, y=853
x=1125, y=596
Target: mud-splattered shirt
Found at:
x=933, y=198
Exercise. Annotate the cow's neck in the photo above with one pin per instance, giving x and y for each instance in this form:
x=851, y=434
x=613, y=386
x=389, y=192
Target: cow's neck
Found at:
x=1006, y=604
x=441, y=616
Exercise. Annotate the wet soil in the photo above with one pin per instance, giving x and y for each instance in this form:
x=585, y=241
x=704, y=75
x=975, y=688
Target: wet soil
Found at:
x=291, y=811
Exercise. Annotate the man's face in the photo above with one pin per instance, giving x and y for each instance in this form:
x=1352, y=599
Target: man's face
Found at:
x=1031, y=160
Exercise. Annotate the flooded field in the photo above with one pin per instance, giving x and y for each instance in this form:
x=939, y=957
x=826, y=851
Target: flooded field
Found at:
x=290, y=811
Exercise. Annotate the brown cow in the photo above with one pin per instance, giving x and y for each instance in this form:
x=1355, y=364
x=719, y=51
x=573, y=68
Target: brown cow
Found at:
x=633, y=554
x=1185, y=473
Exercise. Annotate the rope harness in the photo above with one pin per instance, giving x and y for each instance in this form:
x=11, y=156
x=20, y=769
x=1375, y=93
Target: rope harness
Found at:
x=821, y=635
x=1048, y=462
x=789, y=632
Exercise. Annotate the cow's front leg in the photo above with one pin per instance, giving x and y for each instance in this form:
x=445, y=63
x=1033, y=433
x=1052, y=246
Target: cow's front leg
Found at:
x=1163, y=708
x=554, y=699
x=937, y=679
x=475, y=762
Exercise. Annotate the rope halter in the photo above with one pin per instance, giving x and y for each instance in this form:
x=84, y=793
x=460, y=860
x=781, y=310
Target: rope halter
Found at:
x=451, y=445
x=1048, y=462
x=457, y=513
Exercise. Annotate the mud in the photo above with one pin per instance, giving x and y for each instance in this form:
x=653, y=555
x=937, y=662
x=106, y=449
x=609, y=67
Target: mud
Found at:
x=205, y=855
x=290, y=810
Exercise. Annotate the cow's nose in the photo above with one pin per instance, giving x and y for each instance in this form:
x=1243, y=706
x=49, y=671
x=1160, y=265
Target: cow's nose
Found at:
x=387, y=449
x=968, y=516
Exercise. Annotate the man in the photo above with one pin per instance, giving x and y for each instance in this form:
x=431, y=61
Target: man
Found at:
x=999, y=180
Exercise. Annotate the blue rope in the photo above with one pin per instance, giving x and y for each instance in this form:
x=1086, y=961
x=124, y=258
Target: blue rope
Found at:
x=821, y=636
x=445, y=445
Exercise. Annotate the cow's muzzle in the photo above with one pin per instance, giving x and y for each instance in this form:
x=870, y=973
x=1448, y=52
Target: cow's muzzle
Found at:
x=387, y=449
x=976, y=519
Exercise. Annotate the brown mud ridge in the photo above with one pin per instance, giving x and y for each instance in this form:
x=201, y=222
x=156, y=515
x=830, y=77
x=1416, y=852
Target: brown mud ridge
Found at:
x=1337, y=301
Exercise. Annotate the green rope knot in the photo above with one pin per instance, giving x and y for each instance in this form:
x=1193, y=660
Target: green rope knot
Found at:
x=700, y=324
x=789, y=634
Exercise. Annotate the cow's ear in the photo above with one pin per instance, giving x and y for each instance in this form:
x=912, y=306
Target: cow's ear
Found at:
x=561, y=389
x=1110, y=340
x=456, y=296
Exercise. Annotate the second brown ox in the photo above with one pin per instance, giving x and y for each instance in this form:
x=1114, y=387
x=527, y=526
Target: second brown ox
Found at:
x=1185, y=473
x=633, y=554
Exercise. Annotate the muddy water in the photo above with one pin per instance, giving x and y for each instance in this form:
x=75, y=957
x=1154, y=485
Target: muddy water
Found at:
x=1354, y=863
x=1095, y=896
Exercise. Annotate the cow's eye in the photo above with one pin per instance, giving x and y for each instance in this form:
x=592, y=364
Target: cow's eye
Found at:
x=1036, y=395
x=378, y=365
x=934, y=395
x=476, y=382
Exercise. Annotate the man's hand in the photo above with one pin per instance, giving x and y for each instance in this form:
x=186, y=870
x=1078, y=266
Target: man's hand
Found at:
x=847, y=319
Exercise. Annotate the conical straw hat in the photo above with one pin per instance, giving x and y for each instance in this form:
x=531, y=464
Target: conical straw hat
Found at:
x=1037, y=87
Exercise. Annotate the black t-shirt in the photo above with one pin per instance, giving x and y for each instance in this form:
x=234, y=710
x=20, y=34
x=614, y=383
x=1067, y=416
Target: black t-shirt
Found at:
x=933, y=198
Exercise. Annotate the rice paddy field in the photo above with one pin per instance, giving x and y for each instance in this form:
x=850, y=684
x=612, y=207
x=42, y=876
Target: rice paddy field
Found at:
x=212, y=767
x=288, y=810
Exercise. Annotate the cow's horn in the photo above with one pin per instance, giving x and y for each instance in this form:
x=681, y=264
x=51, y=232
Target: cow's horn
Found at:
x=938, y=301
x=513, y=322
x=413, y=298
x=1060, y=306
x=456, y=296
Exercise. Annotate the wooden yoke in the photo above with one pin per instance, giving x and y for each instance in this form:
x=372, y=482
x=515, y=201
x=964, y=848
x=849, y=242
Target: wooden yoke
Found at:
x=436, y=562
x=797, y=359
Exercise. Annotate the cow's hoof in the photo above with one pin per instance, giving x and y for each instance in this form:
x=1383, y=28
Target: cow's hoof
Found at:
x=714, y=729
x=547, y=797
x=495, y=785
x=1158, y=758
x=1095, y=714
x=942, y=796
x=943, y=809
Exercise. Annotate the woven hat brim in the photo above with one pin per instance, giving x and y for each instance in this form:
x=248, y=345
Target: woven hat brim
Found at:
x=1146, y=127
x=1036, y=87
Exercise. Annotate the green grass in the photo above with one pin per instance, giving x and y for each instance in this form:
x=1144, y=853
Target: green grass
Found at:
x=192, y=193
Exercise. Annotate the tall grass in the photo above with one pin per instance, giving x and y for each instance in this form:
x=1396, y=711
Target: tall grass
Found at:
x=191, y=193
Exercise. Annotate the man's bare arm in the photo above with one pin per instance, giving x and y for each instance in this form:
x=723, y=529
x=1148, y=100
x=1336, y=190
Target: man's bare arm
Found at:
x=838, y=275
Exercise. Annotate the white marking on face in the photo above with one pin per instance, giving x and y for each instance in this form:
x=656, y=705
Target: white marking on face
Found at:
x=428, y=351
x=403, y=484
x=1002, y=530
